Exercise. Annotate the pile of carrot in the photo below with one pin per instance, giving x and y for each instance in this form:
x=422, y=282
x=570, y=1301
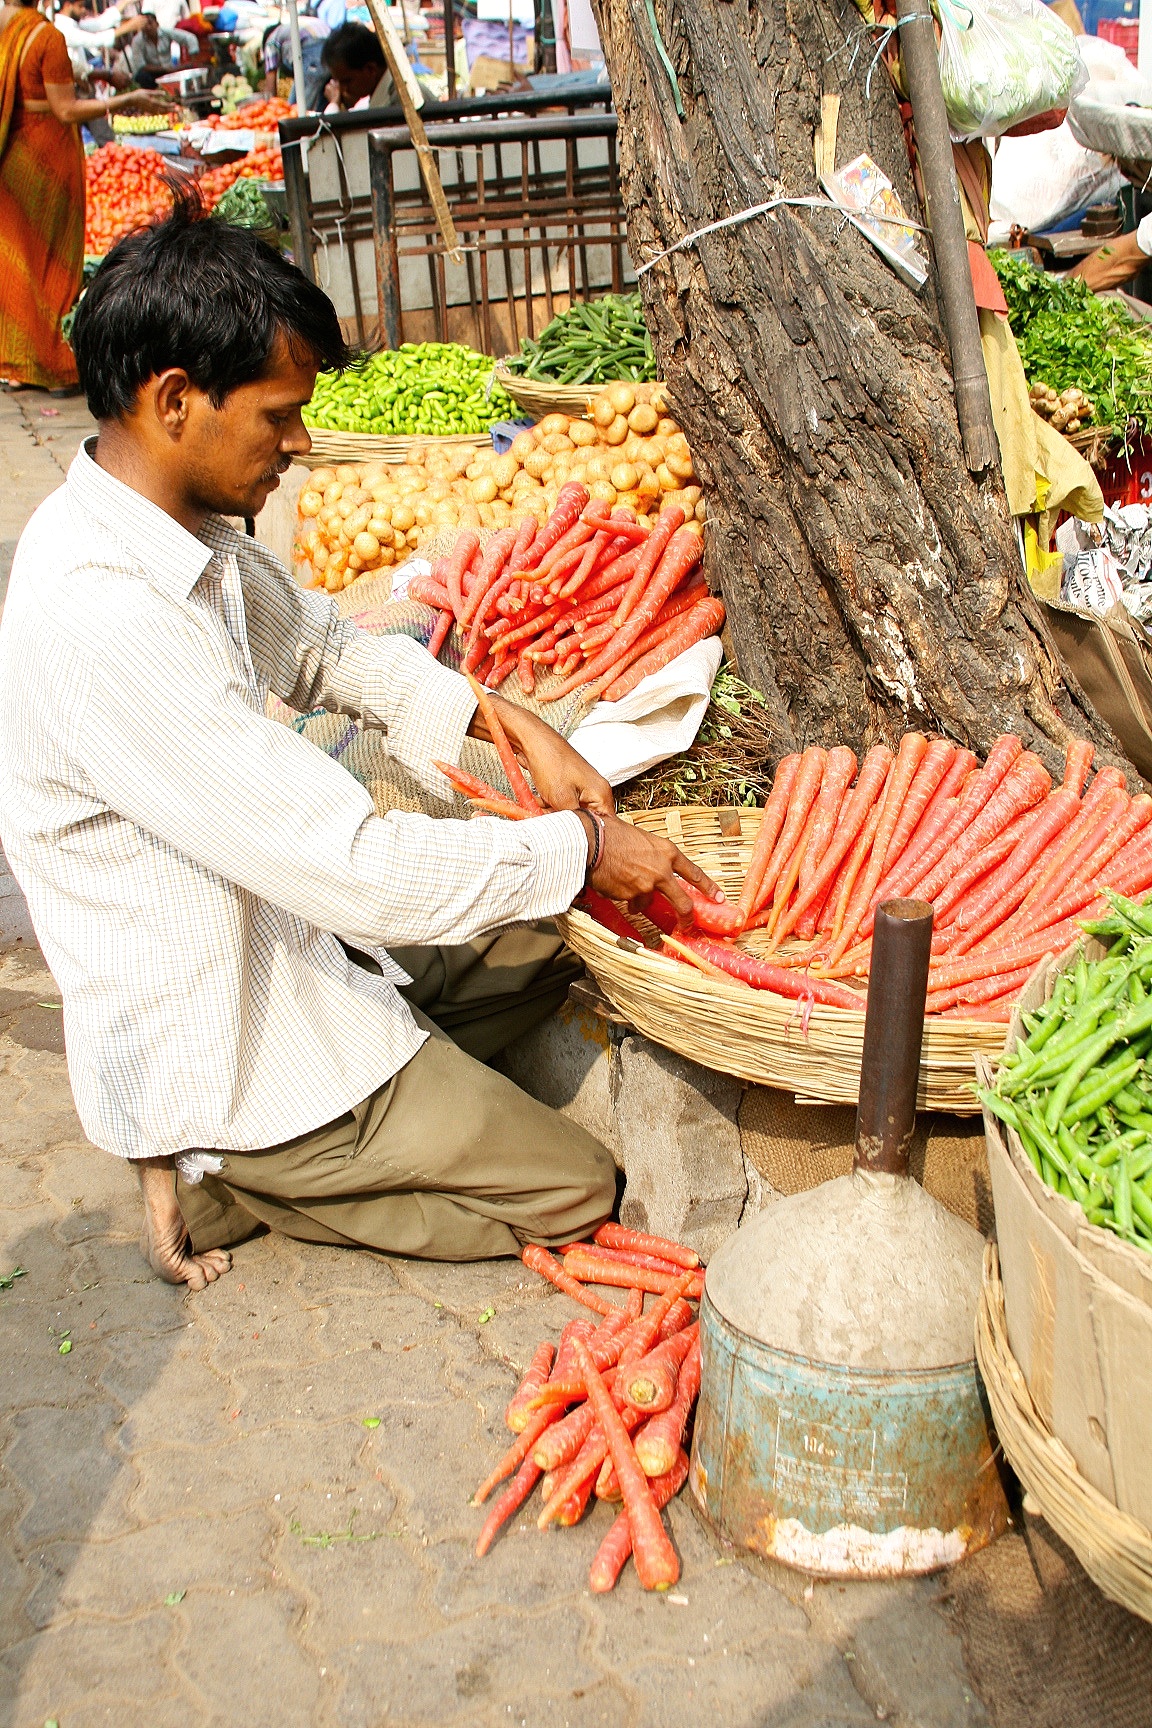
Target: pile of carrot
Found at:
x=605, y=1415
x=1011, y=865
x=591, y=598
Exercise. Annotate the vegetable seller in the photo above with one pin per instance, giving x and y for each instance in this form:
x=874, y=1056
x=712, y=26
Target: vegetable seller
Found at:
x=262, y=978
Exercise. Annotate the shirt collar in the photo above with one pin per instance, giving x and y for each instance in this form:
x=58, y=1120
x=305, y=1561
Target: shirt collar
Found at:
x=172, y=557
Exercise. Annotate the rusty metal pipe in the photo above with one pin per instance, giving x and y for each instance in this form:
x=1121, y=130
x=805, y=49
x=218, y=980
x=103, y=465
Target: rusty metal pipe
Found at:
x=893, y=1031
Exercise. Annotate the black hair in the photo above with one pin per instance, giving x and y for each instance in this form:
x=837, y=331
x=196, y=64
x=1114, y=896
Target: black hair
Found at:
x=353, y=46
x=194, y=292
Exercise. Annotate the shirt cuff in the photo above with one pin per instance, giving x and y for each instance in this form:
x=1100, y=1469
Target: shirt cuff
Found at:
x=1144, y=236
x=559, y=844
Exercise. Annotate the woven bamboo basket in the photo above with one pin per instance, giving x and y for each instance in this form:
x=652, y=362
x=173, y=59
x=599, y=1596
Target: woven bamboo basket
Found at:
x=1114, y=1548
x=539, y=396
x=329, y=447
x=755, y=1034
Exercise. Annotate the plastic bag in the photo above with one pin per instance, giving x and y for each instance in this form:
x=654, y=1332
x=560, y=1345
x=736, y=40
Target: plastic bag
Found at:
x=1038, y=181
x=1004, y=61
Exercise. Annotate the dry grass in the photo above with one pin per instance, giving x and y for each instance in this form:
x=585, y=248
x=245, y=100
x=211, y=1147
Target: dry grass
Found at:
x=731, y=762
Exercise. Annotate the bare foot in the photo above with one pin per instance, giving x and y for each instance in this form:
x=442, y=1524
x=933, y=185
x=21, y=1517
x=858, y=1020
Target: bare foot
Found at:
x=168, y=1250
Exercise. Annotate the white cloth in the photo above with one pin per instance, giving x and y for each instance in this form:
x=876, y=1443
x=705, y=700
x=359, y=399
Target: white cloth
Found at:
x=1144, y=235
x=658, y=719
x=185, y=858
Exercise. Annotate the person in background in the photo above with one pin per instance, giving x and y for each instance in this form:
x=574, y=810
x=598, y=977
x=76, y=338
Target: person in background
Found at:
x=149, y=54
x=42, y=196
x=277, y=60
x=1117, y=261
x=356, y=66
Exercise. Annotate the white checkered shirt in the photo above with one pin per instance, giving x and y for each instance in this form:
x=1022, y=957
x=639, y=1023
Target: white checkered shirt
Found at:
x=186, y=860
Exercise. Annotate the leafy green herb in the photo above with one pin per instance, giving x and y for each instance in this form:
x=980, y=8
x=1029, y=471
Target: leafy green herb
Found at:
x=487, y=1315
x=7, y=1279
x=1068, y=336
x=174, y=1598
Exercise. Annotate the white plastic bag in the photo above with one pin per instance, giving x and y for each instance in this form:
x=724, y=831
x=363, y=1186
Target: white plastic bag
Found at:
x=1039, y=180
x=1004, y=61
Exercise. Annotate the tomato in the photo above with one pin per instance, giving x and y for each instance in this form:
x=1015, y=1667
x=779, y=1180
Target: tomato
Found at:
x=125, y=188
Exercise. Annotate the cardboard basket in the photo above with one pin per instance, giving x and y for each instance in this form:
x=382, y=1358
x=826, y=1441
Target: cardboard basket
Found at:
x=1078, y=1302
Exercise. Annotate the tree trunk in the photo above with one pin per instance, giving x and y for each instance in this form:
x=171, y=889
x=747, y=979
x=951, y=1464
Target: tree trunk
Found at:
x=871, y=583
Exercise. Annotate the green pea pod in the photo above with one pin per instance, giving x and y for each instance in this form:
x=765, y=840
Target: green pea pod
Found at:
x=1122, y=1196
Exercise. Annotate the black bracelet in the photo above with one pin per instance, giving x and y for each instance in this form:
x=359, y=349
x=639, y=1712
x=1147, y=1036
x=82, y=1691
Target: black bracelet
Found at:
x=598, y=851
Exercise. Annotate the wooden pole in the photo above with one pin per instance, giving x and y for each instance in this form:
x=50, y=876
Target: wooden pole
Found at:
x=411, y=100
x=949, y=242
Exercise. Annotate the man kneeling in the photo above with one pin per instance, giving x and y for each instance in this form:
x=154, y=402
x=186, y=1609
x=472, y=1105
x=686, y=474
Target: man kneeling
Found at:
x=261, y=977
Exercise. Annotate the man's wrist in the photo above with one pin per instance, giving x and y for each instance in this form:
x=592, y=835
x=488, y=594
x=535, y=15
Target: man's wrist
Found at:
x=593, y=826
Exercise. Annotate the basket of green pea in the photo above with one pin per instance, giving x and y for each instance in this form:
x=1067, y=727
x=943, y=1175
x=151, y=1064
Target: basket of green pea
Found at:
x=421, y=393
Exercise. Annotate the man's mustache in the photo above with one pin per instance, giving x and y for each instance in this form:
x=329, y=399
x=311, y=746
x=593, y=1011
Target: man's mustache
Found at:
x=280, y=466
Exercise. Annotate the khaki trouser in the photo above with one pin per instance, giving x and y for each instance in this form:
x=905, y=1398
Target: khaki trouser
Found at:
x=448, y=1160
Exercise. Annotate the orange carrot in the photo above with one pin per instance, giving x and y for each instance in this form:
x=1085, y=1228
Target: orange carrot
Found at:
x=668, y=521
x=574, y=1507
x=1000, y=956
x=523, y=793
x=703, y=620
x=521, y=1448
x=617, y=1236
x=678, y=1316
x=860, y=802
x=936, y=761
x=805, y=791
x=1078, y=764
x=440, y=634
x=509, y=1502
x=1001, y=893
x=909, y=756
x=771, y=822
x=592, y=1270
x=978, y=789
x=585, y=1467
x=1113, y=854
x=538, y=1259
x=517, y=1414
x=659, y=1441
x=718, y=917
x=651, y=1384
x=457, y=562
x=666, y=1317
x=1025, y=785
x=955, y=775
x=839, y=772
x=845, y=881
x=1080, y=844
x=627, y=1257
x=483, y=796
x=492, y=562
x=607, y=913
x=971, y=877
x=561, y=1443
x=612, y=1555
x=656, y=1564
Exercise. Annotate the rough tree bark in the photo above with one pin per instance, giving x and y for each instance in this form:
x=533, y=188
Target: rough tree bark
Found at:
x=872, y=584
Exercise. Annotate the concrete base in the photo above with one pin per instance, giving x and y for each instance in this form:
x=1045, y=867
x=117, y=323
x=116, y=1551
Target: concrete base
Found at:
x=670, y=1124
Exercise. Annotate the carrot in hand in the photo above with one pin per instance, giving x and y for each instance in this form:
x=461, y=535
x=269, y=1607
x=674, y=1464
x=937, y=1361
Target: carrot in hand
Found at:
x=524, y=794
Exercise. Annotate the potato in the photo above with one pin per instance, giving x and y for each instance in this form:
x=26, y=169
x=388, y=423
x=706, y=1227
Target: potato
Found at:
x=583, y=434
x=538, y=464
x=504, y=470
x=693, y=495
x=387, y=557
x=333, y=580
x=474, y=470
x=668, y=480
x=701, y=510
x=413, y=538
x=622, y=397
x=333, y=493
x=557, y=442
x=347, y=474
x=694, y=526
x=602, y=491
x=617, y=432
x=484, y=490
x=403, y=517
x=310, y=503
x=366, y=547
x=623, y=477
x=322, y=478
x=523, y=445
x=679, y=464
x=647, y=484
x=666, y=428
x=603, y=412
x=643, y=418
x=552, y=424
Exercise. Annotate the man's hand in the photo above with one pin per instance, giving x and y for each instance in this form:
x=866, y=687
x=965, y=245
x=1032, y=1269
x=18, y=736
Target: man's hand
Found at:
x=164, y=1241
x=1111, y=264
x=635, y=864
x=562, y=777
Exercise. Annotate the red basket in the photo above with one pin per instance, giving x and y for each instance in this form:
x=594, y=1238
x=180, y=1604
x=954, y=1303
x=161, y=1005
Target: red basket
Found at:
x=1128, y=477
x=1122, y=33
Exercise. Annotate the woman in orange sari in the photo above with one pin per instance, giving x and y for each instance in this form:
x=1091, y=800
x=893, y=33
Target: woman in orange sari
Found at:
x=41, y=196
